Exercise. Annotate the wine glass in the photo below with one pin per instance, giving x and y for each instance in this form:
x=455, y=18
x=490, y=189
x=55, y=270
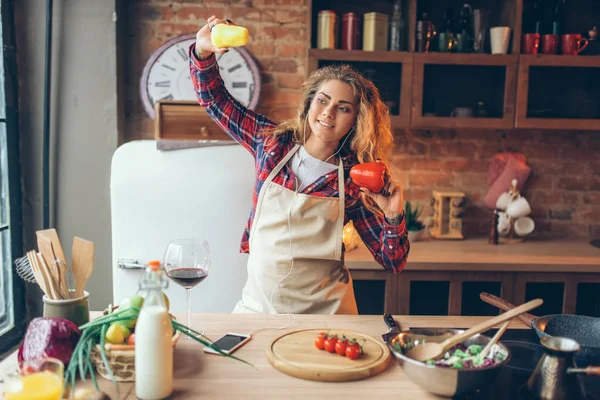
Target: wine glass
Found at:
x=187, y=263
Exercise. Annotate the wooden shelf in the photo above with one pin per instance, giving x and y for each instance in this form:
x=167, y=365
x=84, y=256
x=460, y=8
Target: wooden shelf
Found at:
x=558, y=60
x=360, y=55
x=465, y=59
x=425, y=122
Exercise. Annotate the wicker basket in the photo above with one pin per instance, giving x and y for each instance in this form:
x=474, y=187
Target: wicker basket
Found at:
x=121, y=359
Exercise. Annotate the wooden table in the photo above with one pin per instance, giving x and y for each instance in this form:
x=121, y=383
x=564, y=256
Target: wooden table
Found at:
x=512, y=267
x=199, y=375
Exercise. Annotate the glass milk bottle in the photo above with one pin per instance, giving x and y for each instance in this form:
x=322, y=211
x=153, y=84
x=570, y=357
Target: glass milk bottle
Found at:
x=153, y=338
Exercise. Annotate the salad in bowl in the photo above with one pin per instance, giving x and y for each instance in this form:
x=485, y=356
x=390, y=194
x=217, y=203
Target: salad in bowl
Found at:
x=460, y=370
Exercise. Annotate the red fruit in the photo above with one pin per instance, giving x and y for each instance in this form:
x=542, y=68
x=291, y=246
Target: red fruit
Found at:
x=340, y=347
x=370, y=175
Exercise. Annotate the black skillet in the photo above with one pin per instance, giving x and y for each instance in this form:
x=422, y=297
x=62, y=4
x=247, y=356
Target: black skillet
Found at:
x=583, y=329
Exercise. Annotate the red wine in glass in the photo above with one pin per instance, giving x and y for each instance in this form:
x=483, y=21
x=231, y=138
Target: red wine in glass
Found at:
x=187, y=277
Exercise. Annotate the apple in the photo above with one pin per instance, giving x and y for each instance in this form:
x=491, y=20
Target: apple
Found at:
x=126, y=304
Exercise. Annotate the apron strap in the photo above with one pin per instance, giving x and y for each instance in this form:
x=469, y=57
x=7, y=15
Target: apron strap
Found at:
x=285, y=159
x=341, y=180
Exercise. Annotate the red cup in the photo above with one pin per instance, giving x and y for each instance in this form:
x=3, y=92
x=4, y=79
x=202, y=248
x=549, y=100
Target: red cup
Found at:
x=550, y=43
x=531, y=43
x=573, y=44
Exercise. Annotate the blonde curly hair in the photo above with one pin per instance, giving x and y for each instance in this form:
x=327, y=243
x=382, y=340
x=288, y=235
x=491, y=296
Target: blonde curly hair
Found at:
x=371, y=136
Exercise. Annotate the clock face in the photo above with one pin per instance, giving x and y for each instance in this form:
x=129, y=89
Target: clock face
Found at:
x=166, y=75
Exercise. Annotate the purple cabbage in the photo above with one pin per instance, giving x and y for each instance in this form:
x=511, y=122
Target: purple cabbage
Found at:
x=49, y=337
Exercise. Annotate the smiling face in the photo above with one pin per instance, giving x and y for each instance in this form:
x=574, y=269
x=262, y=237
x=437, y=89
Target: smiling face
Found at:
x=332, y=113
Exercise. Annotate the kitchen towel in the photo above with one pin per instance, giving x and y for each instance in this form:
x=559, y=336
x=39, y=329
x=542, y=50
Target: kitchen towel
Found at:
x=515, y=168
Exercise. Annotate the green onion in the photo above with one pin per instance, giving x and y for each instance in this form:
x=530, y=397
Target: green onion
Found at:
x=103, y=353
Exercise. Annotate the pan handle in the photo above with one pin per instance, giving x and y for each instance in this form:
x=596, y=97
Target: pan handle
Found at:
x=502, y=304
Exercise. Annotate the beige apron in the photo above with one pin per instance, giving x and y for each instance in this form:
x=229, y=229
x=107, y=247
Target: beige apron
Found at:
x=319, y=282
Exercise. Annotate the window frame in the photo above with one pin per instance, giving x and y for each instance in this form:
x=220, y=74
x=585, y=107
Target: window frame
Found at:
x=14, y=335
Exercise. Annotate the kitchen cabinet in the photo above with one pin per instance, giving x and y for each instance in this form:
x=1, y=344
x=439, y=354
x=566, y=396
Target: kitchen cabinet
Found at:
x=558, y=92
x=391, y=72
x=446, y=277
x=444, y=84
x=517, y=90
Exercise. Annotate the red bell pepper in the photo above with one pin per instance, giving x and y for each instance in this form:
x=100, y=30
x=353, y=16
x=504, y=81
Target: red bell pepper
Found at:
x=371, y=175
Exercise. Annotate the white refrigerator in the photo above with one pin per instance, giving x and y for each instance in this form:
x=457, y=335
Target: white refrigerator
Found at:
x=158, y=195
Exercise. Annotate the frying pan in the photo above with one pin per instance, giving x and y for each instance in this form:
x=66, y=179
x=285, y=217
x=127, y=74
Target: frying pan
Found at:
x=583, y=329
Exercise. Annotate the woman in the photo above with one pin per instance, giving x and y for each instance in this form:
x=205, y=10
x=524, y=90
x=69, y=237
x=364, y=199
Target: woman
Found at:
x=304, y=195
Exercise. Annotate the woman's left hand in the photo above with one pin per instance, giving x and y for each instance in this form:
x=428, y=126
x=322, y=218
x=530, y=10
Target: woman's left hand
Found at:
x=391, y=205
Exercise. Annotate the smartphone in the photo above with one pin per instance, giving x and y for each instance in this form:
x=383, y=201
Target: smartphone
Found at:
x=229, y=343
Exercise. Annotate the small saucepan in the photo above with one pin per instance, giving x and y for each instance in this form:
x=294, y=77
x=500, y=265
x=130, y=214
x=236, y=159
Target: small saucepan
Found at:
x=583, y=329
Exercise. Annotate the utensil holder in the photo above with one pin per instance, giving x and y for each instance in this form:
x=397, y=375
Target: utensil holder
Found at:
x=75, y=310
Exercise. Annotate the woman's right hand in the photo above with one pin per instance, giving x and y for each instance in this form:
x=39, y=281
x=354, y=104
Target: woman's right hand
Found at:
x=204, y=46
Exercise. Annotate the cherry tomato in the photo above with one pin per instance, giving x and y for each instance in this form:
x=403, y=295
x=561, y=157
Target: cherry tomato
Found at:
x=330, y=343
x=340, y=347
x=319, y=342
x=353, y=351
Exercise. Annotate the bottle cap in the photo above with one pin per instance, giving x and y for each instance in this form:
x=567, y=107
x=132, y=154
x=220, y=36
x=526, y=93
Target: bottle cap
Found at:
x=154, y=265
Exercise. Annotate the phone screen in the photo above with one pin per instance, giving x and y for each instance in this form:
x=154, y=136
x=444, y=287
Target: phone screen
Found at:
x=229, y=341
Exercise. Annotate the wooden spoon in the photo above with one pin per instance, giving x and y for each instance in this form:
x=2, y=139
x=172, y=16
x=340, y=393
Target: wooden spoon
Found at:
x=82, y=263
x=432, y=350
x=496, y=337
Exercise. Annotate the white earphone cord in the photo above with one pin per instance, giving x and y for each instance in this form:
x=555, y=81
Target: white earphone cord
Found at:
x=292, y=317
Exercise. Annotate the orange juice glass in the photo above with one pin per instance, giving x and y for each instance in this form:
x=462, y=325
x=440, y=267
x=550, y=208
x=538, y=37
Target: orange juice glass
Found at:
x=39, y=379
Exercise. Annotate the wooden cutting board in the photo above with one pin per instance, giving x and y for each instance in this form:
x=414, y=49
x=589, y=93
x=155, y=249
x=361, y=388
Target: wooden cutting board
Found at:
x=294, y=353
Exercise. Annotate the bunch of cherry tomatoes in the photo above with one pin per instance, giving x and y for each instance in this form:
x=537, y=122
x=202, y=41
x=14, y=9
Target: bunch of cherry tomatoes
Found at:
x=342, y=346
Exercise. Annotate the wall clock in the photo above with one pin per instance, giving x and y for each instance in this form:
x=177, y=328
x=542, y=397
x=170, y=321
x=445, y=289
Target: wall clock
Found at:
x=166, y=75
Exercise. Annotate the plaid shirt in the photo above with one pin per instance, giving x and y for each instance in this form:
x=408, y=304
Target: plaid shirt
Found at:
x=388, y=243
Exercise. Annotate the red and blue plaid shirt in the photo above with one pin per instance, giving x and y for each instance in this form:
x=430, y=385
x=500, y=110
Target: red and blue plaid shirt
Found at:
x=388, y=243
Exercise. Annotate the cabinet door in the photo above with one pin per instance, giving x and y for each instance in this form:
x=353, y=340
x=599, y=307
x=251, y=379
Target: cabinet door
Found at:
x=375, y=292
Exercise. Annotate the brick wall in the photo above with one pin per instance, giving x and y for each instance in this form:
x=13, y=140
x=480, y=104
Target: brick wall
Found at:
x=564, y=189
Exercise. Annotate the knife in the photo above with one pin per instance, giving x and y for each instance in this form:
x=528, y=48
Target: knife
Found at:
x=394, y=327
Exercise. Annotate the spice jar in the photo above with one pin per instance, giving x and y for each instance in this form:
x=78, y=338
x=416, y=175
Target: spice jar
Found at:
x=327, y=29
x=375, y=35
x=351, y=31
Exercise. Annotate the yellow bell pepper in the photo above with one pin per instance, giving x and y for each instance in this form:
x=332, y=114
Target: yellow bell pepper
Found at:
x=225, y=36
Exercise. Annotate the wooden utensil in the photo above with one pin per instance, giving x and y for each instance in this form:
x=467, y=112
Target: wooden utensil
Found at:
x=53, y=236
x=82, y=263
x=432, y=350
x=50, y=264
x=39, y=278
x=295, y=354
x=496, y=337
x=37, y=262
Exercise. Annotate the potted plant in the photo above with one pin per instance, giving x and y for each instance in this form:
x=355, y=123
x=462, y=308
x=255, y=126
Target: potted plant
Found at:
x=413, y=225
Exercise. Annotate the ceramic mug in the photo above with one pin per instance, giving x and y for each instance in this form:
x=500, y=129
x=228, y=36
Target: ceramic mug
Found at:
x=75, y=310
x=573, y=44
x=518, y=208
x=500, y=38
x=524, y=226
x=550, y=43
x=503, y=201
x=503, y=223
x=446, y=42
x=531, y=43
